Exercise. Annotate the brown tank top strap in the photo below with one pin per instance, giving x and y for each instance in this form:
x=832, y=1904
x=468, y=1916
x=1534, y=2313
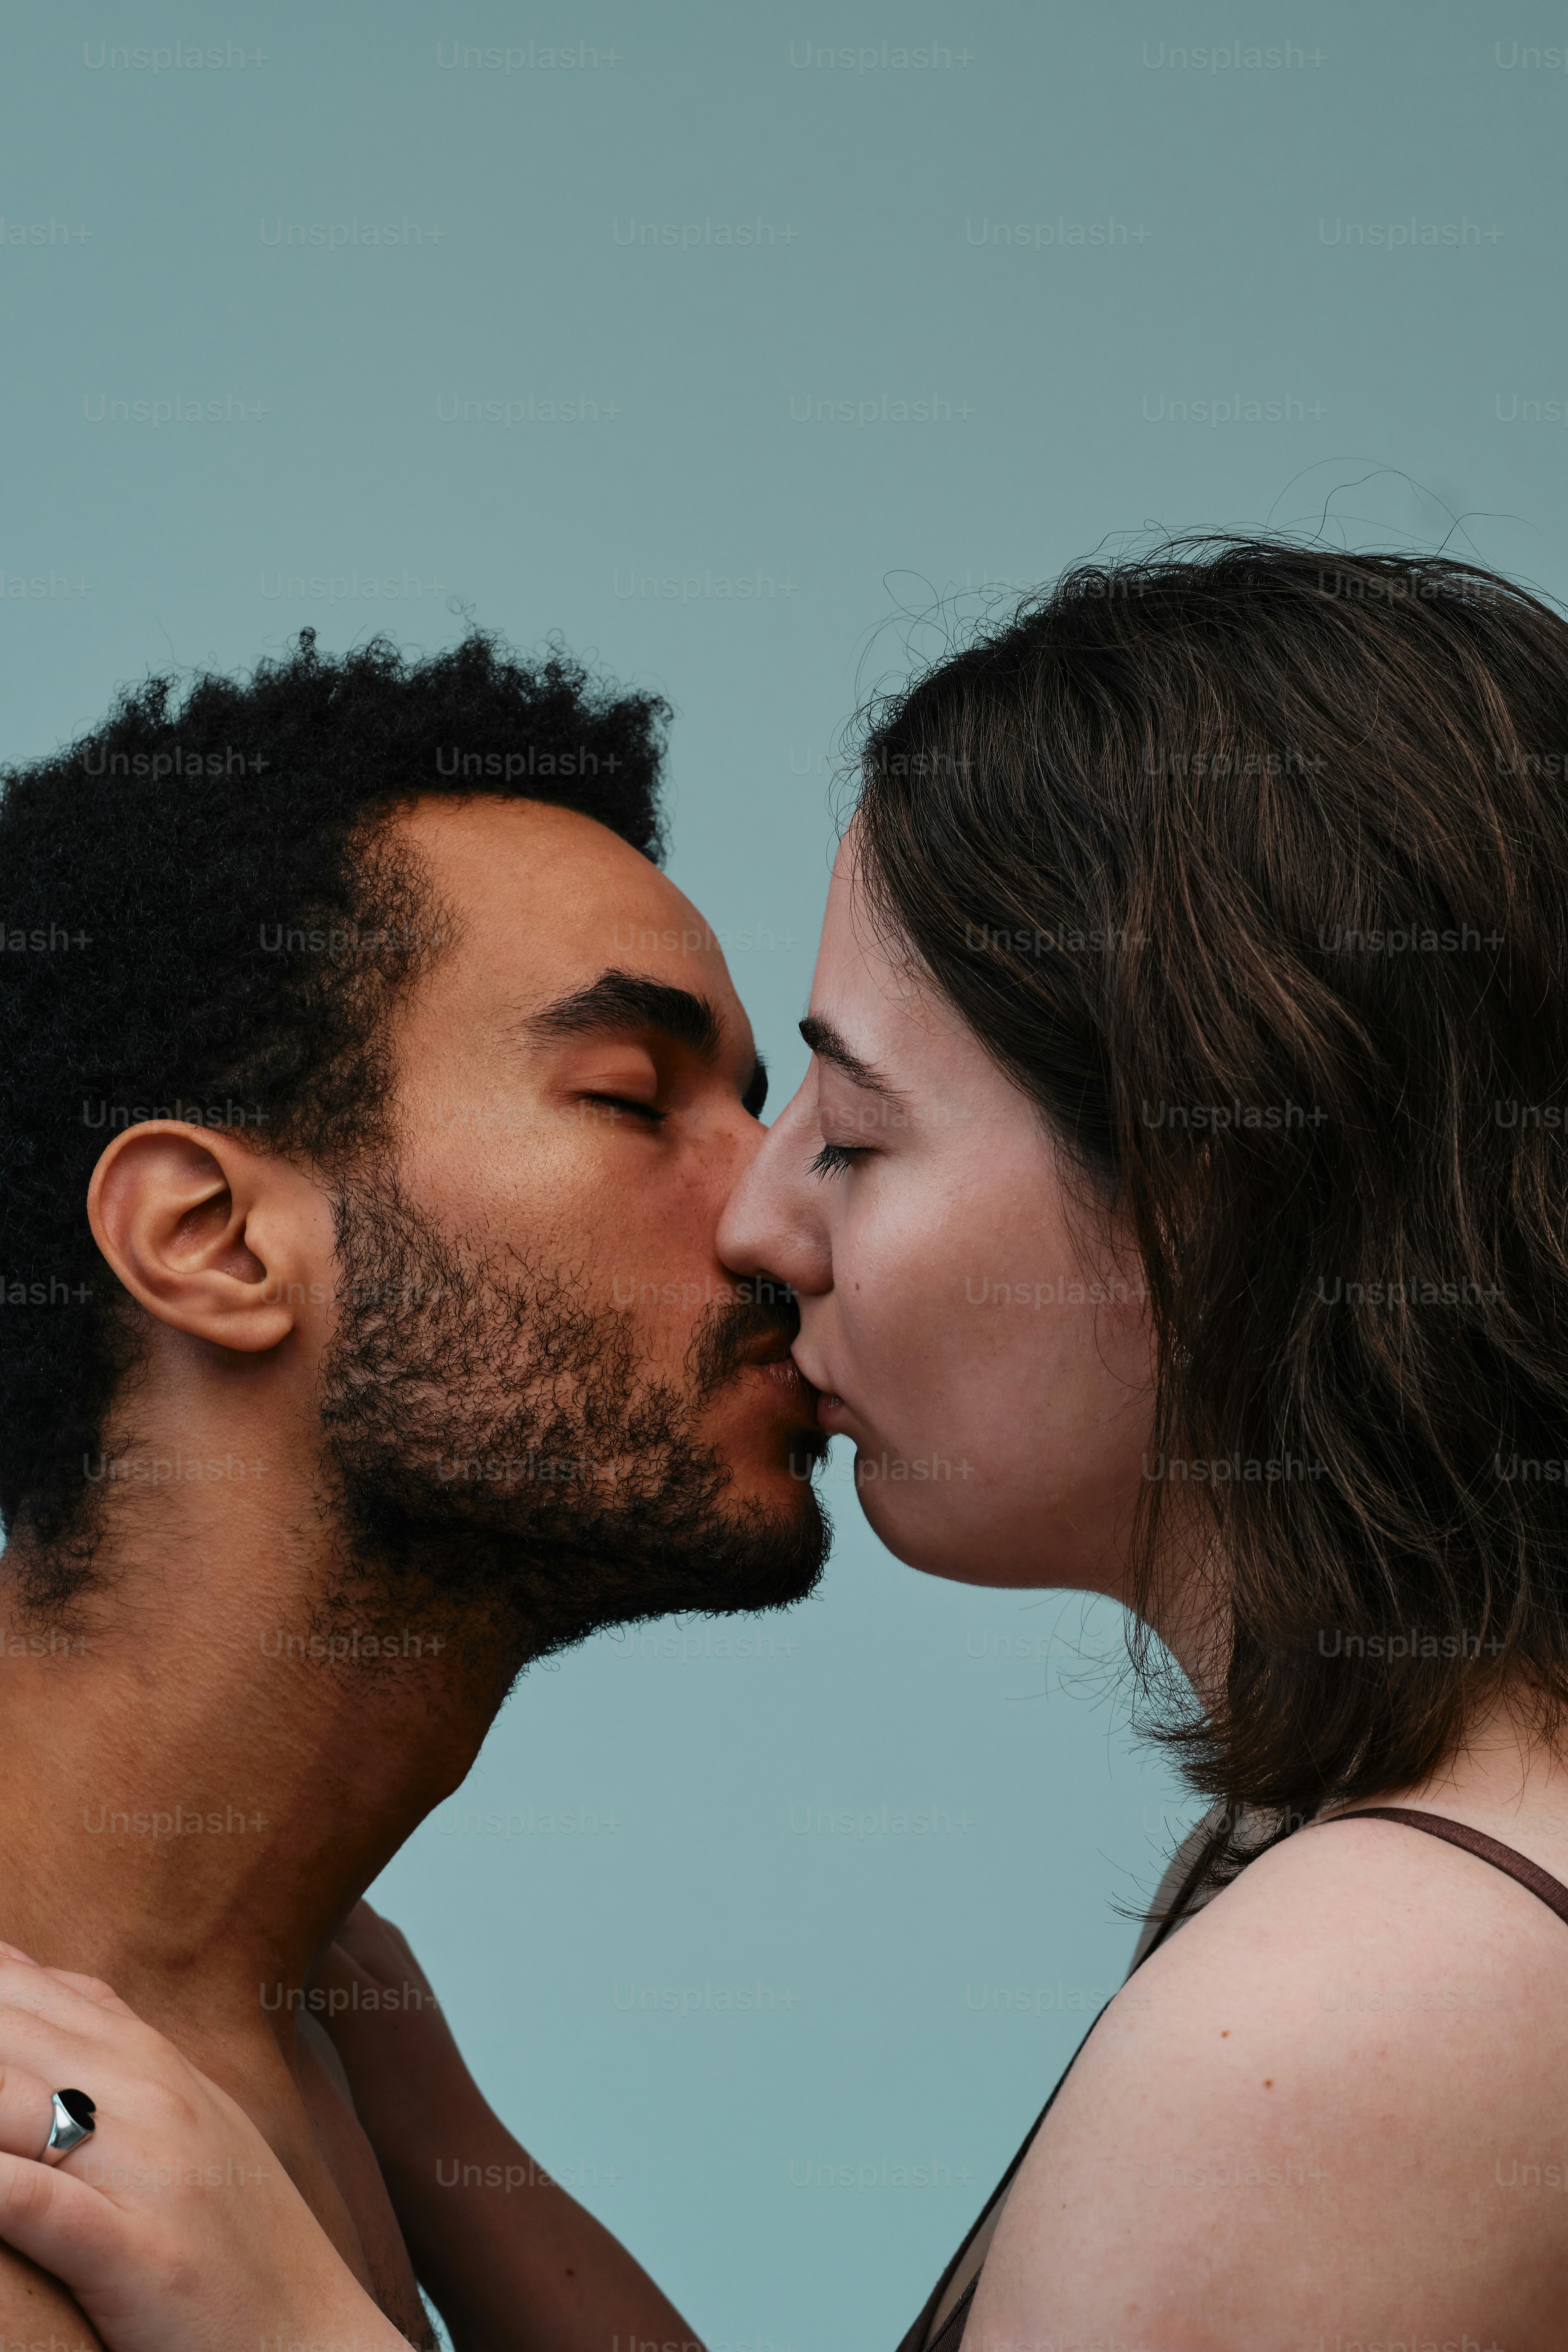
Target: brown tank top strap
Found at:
x=1506, y=1858
x=1176, y=1909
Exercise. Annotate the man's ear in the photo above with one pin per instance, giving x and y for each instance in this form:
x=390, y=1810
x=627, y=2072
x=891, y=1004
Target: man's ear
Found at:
x=209, y=1235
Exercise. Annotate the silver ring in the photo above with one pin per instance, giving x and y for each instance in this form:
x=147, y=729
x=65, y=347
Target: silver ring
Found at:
x=73, y=2122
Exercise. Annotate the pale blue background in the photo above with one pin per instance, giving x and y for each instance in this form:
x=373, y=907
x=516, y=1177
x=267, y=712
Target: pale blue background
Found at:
x=1404, y=371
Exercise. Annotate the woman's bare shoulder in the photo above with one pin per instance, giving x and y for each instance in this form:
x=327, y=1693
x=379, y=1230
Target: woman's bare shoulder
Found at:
x=1334, y=2104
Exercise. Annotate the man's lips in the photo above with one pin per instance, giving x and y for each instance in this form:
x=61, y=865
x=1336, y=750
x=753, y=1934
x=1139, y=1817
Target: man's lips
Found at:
x=771, y=1348
x=769, y=1355
x=784, y=1374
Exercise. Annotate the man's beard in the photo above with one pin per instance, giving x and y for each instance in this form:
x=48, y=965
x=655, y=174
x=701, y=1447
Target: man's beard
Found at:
x=500, y=1462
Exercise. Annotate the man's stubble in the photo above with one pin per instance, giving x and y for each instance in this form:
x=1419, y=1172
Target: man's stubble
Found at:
x=501, y=1461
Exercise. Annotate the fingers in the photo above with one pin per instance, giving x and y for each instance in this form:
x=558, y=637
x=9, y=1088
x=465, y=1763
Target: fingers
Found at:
x=363, y=1935
x=367, y=1934
x=93, y=1988
x=59, y=2029
x=372, y=1948
x=56, y=2032
x=26, y=2111
x=60, y=2223
x=344, y=1968
x=24, y=1984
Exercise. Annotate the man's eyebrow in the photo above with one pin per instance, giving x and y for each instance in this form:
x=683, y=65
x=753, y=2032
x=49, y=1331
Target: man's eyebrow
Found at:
x=825, y=1042
x=618, y=1000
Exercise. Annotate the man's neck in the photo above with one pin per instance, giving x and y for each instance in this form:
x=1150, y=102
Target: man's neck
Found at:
x=204, y=1773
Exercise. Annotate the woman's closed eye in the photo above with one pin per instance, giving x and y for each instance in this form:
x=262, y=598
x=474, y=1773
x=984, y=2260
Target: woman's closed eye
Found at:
x=836, y=1158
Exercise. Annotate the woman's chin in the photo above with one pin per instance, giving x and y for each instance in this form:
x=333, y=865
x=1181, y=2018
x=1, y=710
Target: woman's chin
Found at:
x=922, y=1528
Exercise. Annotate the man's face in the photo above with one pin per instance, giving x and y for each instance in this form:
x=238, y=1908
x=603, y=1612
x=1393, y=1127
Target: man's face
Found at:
x=545, y=1399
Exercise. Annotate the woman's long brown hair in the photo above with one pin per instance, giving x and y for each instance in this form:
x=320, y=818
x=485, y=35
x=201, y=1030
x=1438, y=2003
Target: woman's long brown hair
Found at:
x=1249, y=864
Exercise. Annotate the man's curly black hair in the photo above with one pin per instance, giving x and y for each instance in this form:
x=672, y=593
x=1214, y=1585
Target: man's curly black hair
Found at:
x=206, y=917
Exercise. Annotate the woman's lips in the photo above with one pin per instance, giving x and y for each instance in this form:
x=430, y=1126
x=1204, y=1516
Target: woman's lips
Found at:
x=797, y=1359
x=830, y=1406
x=831, y=1409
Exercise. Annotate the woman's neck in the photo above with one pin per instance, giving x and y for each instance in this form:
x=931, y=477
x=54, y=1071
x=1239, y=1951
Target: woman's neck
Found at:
x=1505, y=1778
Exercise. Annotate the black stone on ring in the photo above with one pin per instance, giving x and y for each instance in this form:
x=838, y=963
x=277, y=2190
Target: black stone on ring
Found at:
x=73, y=2122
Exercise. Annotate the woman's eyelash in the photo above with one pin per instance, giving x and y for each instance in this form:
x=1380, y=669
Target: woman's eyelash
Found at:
x=834, y=1158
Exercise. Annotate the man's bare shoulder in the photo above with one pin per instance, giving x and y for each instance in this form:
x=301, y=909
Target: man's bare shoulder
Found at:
x=36, y=2313
x=1335, y=2104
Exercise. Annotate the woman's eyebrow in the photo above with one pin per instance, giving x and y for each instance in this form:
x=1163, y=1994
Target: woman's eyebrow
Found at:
x=826, y=1042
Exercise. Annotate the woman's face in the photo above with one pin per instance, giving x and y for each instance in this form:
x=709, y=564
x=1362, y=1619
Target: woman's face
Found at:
x=991, y=1363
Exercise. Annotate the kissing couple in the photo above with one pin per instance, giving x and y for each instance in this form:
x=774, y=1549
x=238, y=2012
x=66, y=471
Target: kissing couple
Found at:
x=393, y=1249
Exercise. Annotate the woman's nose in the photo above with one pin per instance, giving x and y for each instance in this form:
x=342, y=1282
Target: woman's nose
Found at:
x=772, y=1223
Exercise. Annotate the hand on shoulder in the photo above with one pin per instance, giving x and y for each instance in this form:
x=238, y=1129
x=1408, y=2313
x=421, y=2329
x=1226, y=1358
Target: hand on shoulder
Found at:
x=170, y=2220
